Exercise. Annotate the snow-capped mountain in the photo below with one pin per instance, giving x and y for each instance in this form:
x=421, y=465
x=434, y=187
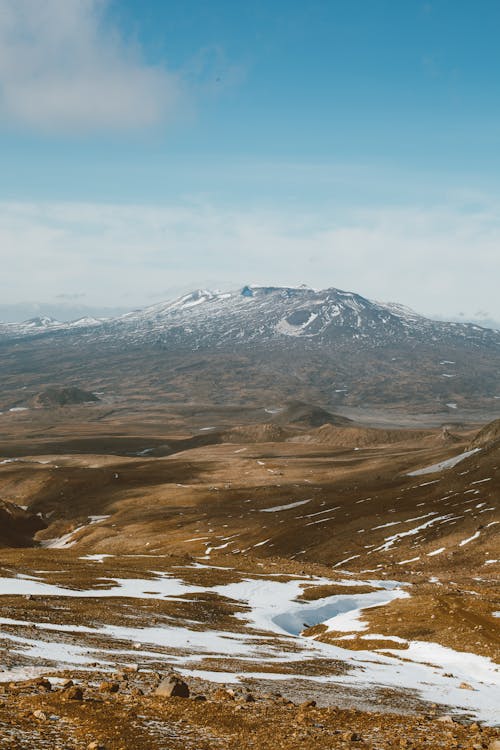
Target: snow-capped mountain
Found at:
x=261, y=345
x=44, y=324
x=261, y=315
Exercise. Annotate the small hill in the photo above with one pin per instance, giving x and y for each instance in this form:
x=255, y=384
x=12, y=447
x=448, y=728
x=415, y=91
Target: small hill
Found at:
x=360, y=437
x=69, y=396
x=487, y=436
x=257, y=433
x=307, y=415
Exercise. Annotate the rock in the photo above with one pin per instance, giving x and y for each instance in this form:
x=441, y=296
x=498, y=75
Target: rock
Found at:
x=40, y=715
x=351, y=736
x=284, y=701
x=223, y=695
x=73, y=693
x=67, y=684
x=465, y=686
x=200, y=698
x=308, y=704
x=446, y=719
x=302, y=718
x=136, y=691
x=95, y=746
x=109, y=687
x=131, y=668
x=249, y=698
x=494, y=745
x=172, y=687
x=42, y=684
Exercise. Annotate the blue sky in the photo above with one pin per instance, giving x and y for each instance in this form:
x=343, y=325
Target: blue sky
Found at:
x=150, y=147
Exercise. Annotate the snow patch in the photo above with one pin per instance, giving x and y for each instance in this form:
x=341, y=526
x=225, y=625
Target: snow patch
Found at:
x=278, y=508
x=449, y=463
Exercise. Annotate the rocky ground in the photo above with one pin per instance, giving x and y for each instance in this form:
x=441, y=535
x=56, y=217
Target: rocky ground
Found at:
x=287, y=563
x=124, y=711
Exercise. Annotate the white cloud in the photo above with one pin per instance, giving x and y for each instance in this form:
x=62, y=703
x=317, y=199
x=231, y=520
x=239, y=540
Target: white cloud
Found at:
x=64, y=68
x=441, y=261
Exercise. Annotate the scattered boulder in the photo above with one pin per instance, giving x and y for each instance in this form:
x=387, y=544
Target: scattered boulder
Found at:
x=73, y=693
x=43, y=684
x=172, y=687
x=307, y=704
x=109, y=687
x=131, y=668
x=352, y=736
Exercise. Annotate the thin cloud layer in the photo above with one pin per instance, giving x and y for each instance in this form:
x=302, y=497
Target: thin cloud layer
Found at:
x=63, y=68
x=125, y=255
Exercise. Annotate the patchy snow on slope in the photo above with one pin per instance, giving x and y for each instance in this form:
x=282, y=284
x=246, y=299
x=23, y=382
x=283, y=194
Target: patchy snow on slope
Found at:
x=99, y=558
x=470, y=539
x=391, y=540
x=277, y=508
x=289, y=329
x=69, y=539
x=449, y=463
x=273, y=607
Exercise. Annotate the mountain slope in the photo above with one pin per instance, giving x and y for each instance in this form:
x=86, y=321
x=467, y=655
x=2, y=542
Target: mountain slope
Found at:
x=265, y=345
x=258, y=314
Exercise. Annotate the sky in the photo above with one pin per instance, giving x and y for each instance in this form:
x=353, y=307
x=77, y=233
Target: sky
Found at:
x=150, y=148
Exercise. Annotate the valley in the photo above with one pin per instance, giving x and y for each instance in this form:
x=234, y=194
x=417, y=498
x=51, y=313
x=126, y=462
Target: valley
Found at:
x=343, y=564
x=302, y=557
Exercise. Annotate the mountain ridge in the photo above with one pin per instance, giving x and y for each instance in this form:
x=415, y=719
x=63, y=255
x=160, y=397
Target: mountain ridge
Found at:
x=261, y=346
x=280, y=311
